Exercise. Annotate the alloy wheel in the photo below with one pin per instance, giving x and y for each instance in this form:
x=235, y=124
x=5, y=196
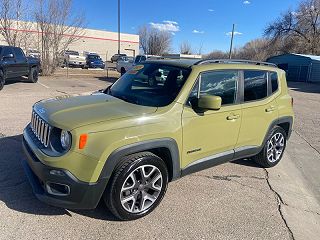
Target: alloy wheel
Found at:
x=275, y=147
x=141, y=189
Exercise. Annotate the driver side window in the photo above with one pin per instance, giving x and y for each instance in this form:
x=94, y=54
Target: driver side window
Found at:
x=217, y=83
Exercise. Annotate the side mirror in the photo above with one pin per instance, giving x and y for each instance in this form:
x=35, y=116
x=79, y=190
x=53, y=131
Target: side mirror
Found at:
x=208, y=102
x=8, y=56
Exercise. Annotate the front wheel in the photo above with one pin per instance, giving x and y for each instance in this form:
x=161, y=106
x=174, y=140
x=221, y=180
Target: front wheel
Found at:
x=2, y=80
x=137, y=186
x=33, y=75
x=273, y=150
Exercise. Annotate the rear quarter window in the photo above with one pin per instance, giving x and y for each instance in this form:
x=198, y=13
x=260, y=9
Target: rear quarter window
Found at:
x=274, y=81
x=255, y=85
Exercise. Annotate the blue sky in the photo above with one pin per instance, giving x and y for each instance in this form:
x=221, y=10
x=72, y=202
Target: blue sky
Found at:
x=200, y=22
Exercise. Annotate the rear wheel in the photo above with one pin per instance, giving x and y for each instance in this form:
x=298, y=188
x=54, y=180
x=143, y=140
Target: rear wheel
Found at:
x=2, y=80
x=137, y=186
x=33, y=75
x=273, y=150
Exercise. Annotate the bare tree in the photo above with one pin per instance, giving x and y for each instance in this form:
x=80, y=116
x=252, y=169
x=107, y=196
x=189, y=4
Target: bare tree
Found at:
x=12, y=14
x=143, y=38
x=258, y=49
x=217, y=54
x=300, y=28
x=200, y=48
x=185, y=48
x=154, y=42
x=59, y=28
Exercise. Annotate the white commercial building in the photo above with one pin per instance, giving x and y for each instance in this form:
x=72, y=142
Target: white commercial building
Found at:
x=104, y=43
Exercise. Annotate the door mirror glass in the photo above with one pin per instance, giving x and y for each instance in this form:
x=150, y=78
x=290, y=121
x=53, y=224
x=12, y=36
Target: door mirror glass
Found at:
x=208, y=102
x=8, y=56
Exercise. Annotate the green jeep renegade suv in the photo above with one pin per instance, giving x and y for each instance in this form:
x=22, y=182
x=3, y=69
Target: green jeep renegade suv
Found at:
x=125, y=143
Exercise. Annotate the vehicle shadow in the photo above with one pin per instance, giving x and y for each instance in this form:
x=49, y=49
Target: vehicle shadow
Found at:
x=16, y=192
x=247, y=162
x=304, y=87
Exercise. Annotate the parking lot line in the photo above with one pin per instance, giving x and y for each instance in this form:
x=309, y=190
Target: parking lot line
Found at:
x=43, y=85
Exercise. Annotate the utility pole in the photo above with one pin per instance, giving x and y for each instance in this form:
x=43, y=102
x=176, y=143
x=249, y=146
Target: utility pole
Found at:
x=231, y=44
x=118, y=26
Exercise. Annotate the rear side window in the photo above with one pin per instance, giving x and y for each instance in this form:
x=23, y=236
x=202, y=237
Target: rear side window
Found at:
x=274, y=81
x=255, y=85
x=19, y=54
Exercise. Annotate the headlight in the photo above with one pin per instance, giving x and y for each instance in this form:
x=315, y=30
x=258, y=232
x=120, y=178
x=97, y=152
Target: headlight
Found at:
x=65, y=139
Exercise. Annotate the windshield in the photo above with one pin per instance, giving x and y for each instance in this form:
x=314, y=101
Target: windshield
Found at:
x=72, y=53
x=94, y=57
x=150, y=84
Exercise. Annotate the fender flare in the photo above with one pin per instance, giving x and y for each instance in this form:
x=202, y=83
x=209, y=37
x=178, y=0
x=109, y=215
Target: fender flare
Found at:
x=168, y=143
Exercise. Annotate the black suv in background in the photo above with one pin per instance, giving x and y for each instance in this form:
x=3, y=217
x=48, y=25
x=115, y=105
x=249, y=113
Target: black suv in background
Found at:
x=14, y=63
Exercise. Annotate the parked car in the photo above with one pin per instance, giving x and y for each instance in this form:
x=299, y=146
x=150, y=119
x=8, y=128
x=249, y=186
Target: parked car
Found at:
x=33, y=53
x=94, y=61
x=14, y=63
x=124, y=144
x=73, y=59
x=126, y=63
x=116, y=57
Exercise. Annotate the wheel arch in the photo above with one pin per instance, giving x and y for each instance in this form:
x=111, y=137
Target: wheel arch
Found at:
x=285, y=122
x=166, y=148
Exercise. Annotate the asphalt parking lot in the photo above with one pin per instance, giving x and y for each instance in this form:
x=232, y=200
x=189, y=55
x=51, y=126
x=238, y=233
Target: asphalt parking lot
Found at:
x=233, y=201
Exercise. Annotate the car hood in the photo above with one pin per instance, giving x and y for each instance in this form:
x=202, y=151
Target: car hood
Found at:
x=70, y=112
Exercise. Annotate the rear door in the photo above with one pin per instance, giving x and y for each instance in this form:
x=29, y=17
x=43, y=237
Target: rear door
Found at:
x=259, y=108
x=21, y=62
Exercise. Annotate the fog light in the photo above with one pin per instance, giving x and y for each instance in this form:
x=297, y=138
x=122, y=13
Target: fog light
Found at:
x=57, y=189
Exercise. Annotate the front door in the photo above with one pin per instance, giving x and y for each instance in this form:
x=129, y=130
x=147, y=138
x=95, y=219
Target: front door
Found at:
x=9, y=63
x=209, y=137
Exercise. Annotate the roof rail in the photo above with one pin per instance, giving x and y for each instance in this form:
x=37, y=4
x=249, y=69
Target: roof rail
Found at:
x=208, y=61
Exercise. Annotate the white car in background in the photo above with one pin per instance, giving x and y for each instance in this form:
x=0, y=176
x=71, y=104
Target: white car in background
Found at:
x=73, y=59
x=124, y=64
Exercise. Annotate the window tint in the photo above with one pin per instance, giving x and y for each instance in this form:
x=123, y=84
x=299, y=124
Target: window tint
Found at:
x=7, y=51
x=220, y=83
x=274, y=81
x=19, y=54
x=255, y=85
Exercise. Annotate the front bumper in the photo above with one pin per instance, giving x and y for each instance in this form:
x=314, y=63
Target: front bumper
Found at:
x=81, y=195
x=76, y=64
x=96, y=65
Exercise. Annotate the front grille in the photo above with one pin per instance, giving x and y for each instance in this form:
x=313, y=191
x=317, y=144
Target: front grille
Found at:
x=41, y=129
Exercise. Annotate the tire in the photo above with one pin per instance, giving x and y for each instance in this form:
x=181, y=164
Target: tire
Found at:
x=2, y=80
x=151, y=188
x=33, y=75
x=273, y=150
x=122, y=71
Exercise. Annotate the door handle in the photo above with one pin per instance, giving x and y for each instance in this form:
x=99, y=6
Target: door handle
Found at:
x=270, y=109
x=233, y=117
